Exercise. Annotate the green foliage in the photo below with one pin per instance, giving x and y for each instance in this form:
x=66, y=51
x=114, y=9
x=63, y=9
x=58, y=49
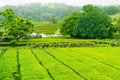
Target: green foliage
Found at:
x=68, y=25
x=115, y=17
x=15, y=25
x=116, y=35
x=1, y=33
x=13, y=42
x=111, y=10
x=92, y=63
x=118, y=25
x=117, y=28
x=30, y=67
x=8, y=69
x=62, y=42
x=51, y=12
x=91, y=23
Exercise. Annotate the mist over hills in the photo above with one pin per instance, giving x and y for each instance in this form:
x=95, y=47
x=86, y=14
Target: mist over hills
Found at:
x=44, y=12
x=52, y=12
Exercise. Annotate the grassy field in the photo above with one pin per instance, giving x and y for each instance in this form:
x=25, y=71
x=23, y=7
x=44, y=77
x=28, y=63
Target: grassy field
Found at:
x=47, y=28
x=85, y=63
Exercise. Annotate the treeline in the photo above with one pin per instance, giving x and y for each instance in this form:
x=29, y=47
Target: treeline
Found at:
x=111, y=10
x=53, y=12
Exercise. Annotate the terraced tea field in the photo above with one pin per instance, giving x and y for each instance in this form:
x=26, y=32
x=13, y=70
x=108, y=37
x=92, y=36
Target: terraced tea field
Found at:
x=85, y=63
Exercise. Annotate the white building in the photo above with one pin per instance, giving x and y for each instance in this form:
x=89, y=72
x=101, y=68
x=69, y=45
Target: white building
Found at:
x=33, y=35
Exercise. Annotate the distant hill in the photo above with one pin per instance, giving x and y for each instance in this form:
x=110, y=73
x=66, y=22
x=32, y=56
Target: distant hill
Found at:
x=52, y=12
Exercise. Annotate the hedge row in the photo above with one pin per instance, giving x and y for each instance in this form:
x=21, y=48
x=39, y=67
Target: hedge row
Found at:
x=78, y=44
x=64, y=44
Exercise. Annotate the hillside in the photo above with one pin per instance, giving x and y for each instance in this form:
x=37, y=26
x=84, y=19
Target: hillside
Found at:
x=51, y=12
x=45, y=27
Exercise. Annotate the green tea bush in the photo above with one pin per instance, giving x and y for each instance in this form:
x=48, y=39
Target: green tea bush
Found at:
x=13, y=42
x=7, y=38
x=116, y=35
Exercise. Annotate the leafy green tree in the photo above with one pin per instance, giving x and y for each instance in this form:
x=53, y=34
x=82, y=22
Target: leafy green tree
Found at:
x=68, y=25
x=91, y=23
x=117, y=25
x=15, y=25
x=1, y=24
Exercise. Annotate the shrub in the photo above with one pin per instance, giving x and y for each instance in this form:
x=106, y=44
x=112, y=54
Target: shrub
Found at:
x=13, y=42
x=7, y=38
x=116, y=35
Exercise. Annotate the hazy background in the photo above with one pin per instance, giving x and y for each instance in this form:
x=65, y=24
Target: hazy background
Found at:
x=69, y=2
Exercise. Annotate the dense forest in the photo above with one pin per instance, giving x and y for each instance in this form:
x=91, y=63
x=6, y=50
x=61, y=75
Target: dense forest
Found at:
x=52, y=12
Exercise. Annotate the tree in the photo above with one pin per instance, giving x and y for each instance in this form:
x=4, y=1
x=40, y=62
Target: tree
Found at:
x=68, y=25
x=117, y=25
x=16, y=26
x=91, y=23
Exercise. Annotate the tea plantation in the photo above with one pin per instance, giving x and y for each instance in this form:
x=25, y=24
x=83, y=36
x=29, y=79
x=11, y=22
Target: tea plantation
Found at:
x=83, y=63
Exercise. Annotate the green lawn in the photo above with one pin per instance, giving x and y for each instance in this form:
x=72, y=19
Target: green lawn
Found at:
x=85, y=63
